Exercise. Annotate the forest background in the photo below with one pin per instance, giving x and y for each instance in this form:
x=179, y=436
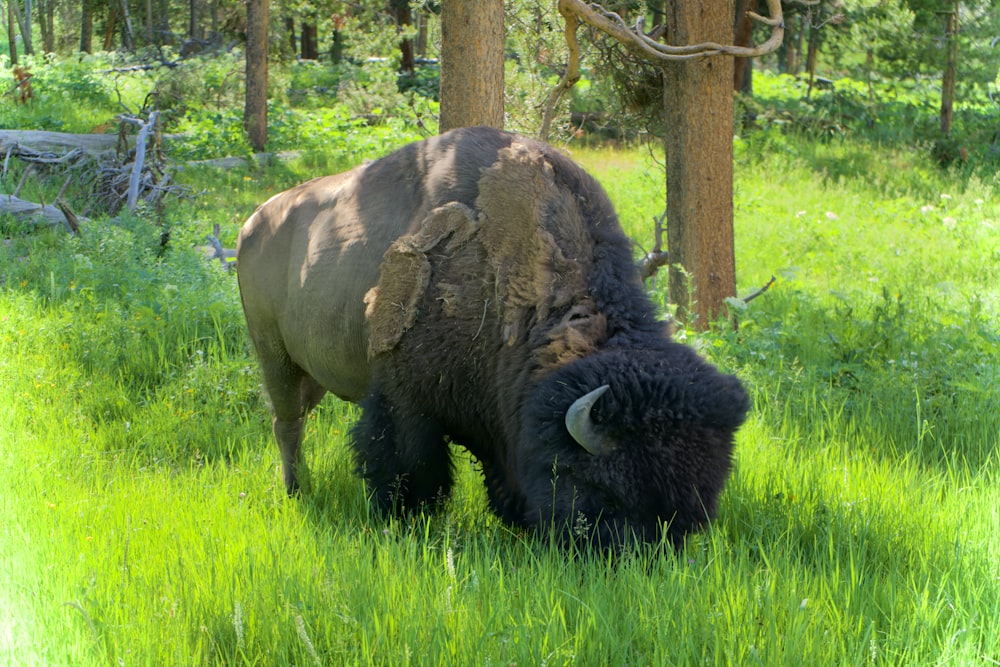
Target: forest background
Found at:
x=141, y=514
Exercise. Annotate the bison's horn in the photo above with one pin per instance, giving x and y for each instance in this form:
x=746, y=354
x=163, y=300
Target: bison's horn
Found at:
x=580, y=426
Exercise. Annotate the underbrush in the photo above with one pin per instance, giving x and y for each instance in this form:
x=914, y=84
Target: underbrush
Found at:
x=900, y=114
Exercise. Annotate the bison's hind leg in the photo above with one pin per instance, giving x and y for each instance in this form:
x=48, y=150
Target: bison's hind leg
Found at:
x=402, y=455
x=293, y=393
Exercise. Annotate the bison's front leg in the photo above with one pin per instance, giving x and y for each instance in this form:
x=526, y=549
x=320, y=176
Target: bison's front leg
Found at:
x=403, y=456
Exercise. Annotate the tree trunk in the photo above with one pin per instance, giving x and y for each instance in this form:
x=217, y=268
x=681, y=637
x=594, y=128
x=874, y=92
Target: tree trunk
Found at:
x=743, y=36
x=812, y=51
x=420, y=45
x=29, y=47
x=128, y=38
x=788, y=54
x=46, y=24
x=950, y=70
x=86, y=26
x=698, y=104
x=214, y=35
x=193, y=20
x=255, y=112
x=12, y=31
x=110, y=26
x=472, y=61
x=164, y=35
x=337, y=46
x=292, y=42
x=150, y=22
x=403, y=17
x=310, y=49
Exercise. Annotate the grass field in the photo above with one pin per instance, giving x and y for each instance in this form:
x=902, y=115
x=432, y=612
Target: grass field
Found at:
x=143, y=521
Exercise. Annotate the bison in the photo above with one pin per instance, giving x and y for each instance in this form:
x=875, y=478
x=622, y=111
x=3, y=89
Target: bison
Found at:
x=477, y=288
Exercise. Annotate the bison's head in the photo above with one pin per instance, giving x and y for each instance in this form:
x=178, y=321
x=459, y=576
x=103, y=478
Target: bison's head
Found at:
x=624, y=444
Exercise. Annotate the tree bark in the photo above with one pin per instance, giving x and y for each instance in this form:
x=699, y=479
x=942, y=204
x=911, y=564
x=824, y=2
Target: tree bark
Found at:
x=193, y=20
x=292, y=41
x=472, y=62
x=255, y=111
x=164, y=35
x=12, y=31
x=743, y=36
x=950, y=70
x=86, y=26
x=25, y=21
x=308, y=38
x=111, y=25
x=128, y=37
x=149, y=22
x=698, y=104
x=404, y=18
x=46, y=24
x=812, y=51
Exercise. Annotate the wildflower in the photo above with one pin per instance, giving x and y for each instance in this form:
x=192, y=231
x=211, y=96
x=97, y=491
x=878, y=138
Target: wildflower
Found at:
x=945, y=196
x=950, y=223
x=926, y=208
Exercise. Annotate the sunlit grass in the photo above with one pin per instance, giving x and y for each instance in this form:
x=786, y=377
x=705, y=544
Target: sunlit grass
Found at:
x=143, y=519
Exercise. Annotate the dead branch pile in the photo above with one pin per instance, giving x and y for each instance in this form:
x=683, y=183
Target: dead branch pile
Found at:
x=108, y=173
x=133, y=175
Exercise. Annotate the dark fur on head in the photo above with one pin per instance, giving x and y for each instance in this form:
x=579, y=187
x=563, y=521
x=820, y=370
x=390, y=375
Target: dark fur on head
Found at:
x=672, y=416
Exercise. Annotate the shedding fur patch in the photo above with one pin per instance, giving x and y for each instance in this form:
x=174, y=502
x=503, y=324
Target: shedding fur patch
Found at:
x=523, y=213
x=392, y=306
x=526, y=238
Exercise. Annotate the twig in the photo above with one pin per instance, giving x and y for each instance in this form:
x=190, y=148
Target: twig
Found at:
x=754, y=295
x=657, y=257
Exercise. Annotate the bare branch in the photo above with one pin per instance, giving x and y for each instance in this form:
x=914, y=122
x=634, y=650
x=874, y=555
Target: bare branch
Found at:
x=569, y=77
x=636, y=40
x=140, y=155
x=215, y=250
x=754, y=295
x=651, y=262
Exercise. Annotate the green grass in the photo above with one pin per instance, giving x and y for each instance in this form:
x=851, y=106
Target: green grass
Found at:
x=143, y=520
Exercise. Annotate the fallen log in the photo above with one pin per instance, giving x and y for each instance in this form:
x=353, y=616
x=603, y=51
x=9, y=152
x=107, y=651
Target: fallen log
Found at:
x=235, y=162
x=49, y=214
x=92, y=144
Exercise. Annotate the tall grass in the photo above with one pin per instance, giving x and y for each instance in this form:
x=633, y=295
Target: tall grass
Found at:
x=143, y=519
